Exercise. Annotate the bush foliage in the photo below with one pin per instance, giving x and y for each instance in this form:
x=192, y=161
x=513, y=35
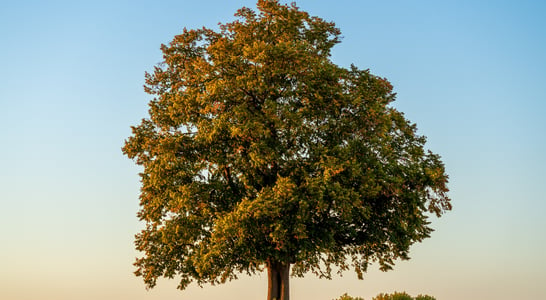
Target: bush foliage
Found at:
x=347, y=297
x=393, y=296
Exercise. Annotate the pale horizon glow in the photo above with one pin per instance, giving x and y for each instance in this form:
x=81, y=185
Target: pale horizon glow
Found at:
x=470, y=74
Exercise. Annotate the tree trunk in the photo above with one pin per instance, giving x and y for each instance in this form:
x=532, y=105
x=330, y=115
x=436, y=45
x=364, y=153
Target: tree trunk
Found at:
x=278, y=287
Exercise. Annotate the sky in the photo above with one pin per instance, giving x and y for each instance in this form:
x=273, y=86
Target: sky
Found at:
x=470, y=74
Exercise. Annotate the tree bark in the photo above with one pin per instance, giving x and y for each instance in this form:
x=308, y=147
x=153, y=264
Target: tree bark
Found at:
x=278, y=287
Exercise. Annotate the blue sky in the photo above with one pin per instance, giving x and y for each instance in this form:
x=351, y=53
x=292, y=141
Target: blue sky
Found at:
x=471, y=75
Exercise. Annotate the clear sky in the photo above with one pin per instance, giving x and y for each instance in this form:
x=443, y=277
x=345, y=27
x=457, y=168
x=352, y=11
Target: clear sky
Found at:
x=471, y=74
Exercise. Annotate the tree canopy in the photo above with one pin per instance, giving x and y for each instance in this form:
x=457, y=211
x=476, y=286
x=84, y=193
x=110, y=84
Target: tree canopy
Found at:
x=260, y=153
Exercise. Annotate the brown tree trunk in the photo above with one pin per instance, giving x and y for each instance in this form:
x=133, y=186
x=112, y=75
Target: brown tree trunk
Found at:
x=278, y=287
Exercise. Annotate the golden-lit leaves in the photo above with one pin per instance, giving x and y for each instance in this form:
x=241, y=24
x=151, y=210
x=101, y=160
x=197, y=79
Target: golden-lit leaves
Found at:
x=259, y=148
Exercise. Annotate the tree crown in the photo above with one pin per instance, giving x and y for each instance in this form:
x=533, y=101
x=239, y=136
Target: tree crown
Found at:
x=258, y=149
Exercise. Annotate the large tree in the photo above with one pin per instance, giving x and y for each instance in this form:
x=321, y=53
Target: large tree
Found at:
x=261, y=153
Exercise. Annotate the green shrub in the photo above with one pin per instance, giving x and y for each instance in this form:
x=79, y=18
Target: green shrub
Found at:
x=424, y=297
x=347, y=297
x=393, y=296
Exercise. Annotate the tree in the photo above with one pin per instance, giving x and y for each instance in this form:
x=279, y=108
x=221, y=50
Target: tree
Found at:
x=260, y=153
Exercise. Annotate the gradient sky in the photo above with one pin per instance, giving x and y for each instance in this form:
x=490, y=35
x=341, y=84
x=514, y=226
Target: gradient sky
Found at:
x=471, y=75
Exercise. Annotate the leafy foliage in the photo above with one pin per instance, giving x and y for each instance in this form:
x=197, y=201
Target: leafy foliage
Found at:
x=347, y=297
x=259, y=149
x=393, y=296
x=424, y=297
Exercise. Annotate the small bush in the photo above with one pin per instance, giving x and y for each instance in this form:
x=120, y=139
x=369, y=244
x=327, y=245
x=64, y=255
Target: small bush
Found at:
x=424, y=297
x=347, y=297
x=393, y=296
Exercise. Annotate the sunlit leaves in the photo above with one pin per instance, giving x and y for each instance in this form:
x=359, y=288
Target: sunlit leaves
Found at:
x=258, y=149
